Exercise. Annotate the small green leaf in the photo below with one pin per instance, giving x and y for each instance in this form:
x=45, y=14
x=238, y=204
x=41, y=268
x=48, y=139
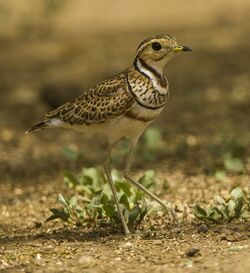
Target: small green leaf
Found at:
x=238, y=208
x=124, y=187
x=133, y=215
x=92, y=176
x=237, y=193
x=199, y=212
x=70, y=178
x=124, y=201
x=84, y=189
x=52, y=217
x=63, y=200
x=219, y=214
x=220, y=200
x=104, y=199
x=73, y=202
x=57, y=213
x=117, y=176
x=110, y=210
x=148, y=179
x=143, y=213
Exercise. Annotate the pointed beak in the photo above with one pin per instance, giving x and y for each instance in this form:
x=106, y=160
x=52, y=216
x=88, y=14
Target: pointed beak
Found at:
x=181, y=48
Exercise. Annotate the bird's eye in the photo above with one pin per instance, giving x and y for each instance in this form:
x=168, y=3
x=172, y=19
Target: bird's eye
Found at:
x=156, y=46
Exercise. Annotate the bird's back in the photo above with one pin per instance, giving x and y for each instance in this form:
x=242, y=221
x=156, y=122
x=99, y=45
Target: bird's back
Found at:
x=105, y=102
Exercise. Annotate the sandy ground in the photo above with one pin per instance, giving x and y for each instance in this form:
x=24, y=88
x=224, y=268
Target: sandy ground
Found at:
x=190, y=246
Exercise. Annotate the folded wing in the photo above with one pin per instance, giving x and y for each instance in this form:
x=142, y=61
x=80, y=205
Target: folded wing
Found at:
x=104, y=102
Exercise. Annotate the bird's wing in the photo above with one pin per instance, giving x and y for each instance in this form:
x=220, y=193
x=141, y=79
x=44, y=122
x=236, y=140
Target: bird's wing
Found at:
x=107, y=100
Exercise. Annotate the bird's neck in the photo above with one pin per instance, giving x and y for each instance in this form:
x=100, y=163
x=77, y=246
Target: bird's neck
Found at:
x=155, y=74
x=150, y=91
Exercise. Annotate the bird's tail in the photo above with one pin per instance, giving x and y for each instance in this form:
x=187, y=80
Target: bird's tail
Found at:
x=37, y=127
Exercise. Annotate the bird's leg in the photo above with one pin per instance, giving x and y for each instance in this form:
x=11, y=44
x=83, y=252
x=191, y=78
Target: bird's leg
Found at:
x=140, y=186
x=107, y=169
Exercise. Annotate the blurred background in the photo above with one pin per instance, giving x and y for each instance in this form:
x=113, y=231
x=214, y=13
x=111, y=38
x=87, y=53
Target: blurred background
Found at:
x=52, y=50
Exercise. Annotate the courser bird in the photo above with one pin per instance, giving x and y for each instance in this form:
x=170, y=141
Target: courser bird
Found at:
x=123, y=106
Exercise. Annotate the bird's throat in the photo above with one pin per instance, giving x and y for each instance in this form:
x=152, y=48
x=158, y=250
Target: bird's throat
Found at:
x=157, y=77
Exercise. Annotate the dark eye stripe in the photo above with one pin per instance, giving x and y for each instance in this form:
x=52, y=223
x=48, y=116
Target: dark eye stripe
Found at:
x=156, y=46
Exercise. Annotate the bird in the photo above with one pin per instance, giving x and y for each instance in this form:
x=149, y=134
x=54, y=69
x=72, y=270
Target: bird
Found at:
x=122, y=107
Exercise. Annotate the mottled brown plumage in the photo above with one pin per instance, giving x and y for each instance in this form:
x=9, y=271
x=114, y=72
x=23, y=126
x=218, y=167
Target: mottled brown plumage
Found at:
x=122, y=107
x=106, y=101
x=109, y=100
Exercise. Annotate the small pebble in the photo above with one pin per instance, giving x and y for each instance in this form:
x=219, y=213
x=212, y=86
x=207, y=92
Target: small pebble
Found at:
x=203, y=229
x=87, y=261
x=158, y=242
x=192, y=252
x=128, y=245
x=37, y=224
x=38, y=256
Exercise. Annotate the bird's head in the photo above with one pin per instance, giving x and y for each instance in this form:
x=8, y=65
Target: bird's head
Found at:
x=157, y=50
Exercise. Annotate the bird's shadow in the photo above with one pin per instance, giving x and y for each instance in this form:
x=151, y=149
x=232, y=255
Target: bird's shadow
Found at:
x=24, y=235
x=31, y=234
x=101, y=234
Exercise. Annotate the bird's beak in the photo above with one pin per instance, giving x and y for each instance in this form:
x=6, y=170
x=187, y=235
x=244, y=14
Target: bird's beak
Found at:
x=181, y=48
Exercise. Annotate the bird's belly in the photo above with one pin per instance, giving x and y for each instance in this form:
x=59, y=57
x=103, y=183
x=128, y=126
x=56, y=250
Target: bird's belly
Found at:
x=131, y=124
x=125, y=128
x=115, y=130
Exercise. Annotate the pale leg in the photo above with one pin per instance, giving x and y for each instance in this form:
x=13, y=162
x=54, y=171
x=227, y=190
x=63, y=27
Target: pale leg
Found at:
x=107, y=169
x=140, y=186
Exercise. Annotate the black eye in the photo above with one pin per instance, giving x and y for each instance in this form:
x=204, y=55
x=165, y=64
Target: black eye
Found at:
x=156, y=46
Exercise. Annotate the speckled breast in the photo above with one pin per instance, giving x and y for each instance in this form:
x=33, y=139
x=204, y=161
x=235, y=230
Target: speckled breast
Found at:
x=145, y=93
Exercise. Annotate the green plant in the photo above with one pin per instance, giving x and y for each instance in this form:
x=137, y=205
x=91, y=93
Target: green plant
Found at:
x=237, y=206
x=97, y=204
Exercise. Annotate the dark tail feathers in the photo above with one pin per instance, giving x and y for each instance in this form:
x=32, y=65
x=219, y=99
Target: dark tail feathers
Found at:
x=37, y=127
